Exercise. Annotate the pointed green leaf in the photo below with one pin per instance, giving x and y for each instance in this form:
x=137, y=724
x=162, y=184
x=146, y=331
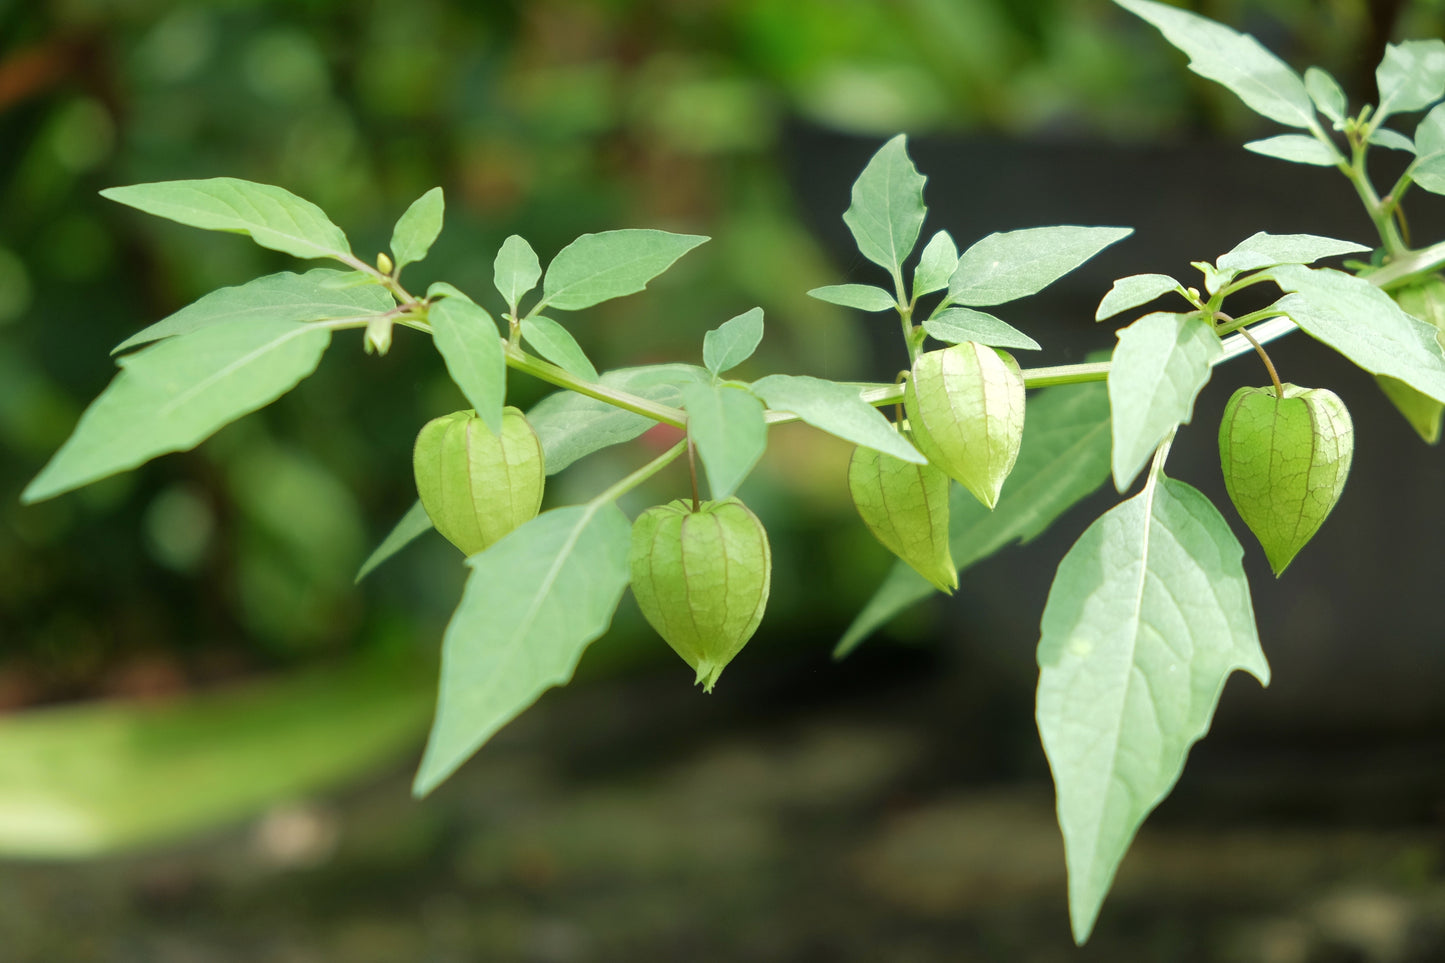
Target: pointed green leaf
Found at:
x=935, y=265
x=467, y=338
x=412, y=525
x=598, y=267
x=838, y=409
x=516, y=270
x=1148, y=615
x=887, y=209
x=1327, y=94
x=1297, y=149
x=1134, y=291
x=732, y=342
x=864, y=297
x=1064, y=457
x=556, y=344
x=1263, y=250
x=533, y=603
x=1265, y=83
x=1360, y=321
x=572, y=426
x=956, y=325
x=417, y=229
x=1160, y=364
x=726, y=423
x=273, y=217
x=173, y=395
x=275, y=297
x=1411, y=76
x=1015, y=264
x=1391, y=140
x=1428, y=170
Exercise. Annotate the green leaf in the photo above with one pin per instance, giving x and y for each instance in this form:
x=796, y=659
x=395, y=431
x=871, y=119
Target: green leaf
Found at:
x=726, y=423
x=1015, y=264
x=1410, y=77
x=1064, y=457
x=1391, y=140
x=1428, y=170
x=1360, y=321
x=887, y=210
x=417, y=229
x=838, y=409
x=956, y=325
x=1327, y=94
x=516, y=270
x=1148, y=615
x=273, y=217
x=864, y=297
x=412, y=525
x=533, y=603
x=173, y=395
x=1421, y=411
x=1265, y=83
x=275, y=297
x=1160, y=364
x=556, y=344
x=572, y=426
x=1263, y=250
x=467, y=338
x=935, y=265
x=1133, y=291
x=598, y=267
x=732, y=342
x=1296, y=148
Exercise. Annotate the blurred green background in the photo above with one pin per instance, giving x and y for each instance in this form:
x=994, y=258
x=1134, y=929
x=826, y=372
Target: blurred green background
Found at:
x=132, y=610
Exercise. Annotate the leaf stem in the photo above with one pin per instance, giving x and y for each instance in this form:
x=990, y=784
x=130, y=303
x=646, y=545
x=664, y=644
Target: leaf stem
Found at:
x=1268, y=364
x=546, y=371
x=620, y=488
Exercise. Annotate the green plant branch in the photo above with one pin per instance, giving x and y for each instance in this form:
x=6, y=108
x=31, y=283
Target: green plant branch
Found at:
x=1409, y=264
x=388, y=281
x=1380, y=213
x=622, y=487
x=546, y=371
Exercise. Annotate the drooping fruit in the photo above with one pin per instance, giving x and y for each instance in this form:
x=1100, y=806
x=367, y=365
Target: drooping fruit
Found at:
x=477, y=486
x=965, y=408
x=701, y=579
x=1285, y=462
x=905, y=506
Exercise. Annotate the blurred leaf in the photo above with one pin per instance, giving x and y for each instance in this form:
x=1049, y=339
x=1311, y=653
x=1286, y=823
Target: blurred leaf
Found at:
x=726, y=423
x=935, y=265
x=414, y=524
x=864, y=297
x=598, y=267
x=1296, y=148
x=1411, y=76
x=1263, y=250
x=732, y=342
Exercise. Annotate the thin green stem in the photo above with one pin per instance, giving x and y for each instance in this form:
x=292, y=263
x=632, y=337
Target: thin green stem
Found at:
x=1379, y=212
x=1232, y=325
x=387, y=281
x=546, y=371
x=1407, y=266
x=1268, y=364
x=620, y=488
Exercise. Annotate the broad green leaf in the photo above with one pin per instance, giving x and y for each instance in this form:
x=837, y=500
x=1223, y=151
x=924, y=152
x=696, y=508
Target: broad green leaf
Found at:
x=1391, y=140
x=732, y=342
x=1147, y=617
x=173, y=395
x=418, y=228
x=1296, y=148
x=1064, y=457
x=516, y=270
x=726, y=424
x=1327, y=94
x=467, y=338
x=1134, y=291
x=1360, y=321
x=864, y=297
x=956, y=325
x=1014, y=264
x=556, y=344
x=887, y=210
x=412, y=525
x=273, y=217
x=598, y=267
x=533, y=603
x=1265, y=83
x=1410, y=77
x=838, y=409
x=1421, y=411
x=1160, y=364
x=1263, y=250
x=572, y=426
x=1428, y=170
x=275, y=297
x=935, y=265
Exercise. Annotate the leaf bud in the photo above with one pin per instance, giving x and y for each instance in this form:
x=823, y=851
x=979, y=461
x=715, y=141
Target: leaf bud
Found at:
x=384, y=264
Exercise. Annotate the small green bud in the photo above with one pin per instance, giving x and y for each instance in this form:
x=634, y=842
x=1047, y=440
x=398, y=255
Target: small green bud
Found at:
x=965, y=408
x=701, y=579
x=477, y=486
x=384, y=264
x=378, y=335
x=906, y=507
x=1285, y=462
